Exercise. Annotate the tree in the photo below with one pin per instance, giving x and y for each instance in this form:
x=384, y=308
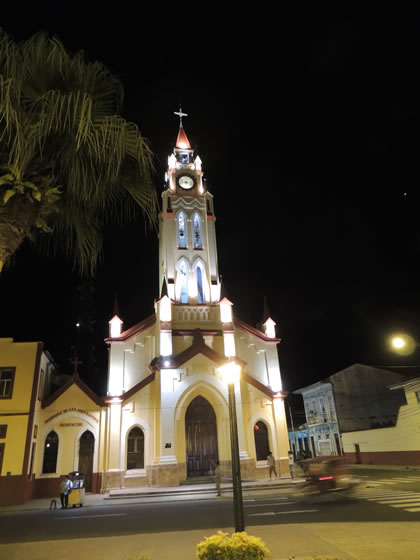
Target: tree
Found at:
x=69, y=163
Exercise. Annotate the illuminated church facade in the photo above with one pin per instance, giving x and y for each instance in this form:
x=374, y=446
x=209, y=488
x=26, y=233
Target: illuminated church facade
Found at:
x=165, y=418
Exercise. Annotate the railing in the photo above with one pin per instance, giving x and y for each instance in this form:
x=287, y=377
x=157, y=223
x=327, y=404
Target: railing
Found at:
x=194, y=313
x=321, y=418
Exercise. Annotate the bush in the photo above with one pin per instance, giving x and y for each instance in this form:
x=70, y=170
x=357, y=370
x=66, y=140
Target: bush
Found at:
x=240, y=546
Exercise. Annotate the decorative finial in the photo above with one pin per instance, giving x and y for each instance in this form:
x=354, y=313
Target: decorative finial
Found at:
x=180, y=115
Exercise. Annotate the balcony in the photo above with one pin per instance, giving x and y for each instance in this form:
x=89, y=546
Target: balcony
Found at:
x=326, y=418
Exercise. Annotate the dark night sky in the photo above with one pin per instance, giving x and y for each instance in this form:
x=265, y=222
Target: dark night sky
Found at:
x=307, y=122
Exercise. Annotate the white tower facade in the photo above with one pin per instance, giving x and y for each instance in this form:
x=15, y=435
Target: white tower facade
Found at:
x=188, y=253
x=166, y=415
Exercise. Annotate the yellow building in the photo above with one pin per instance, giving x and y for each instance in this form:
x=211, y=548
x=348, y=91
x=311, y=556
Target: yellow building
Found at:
x=165, y=417
x=395, y=445
x=25, y=374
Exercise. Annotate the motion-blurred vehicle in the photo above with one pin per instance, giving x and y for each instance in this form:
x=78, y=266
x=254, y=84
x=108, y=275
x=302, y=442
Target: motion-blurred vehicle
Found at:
x=327, y=480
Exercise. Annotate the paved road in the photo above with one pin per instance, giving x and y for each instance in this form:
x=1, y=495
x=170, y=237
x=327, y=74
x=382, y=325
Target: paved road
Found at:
x=407, y=479
x=370, y=504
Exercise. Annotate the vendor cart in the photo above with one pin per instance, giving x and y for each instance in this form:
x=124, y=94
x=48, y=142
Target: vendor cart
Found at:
x=77, y=494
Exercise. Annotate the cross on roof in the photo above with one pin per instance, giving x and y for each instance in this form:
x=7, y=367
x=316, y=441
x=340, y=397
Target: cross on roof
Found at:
x=180, y=115
x=75, y=361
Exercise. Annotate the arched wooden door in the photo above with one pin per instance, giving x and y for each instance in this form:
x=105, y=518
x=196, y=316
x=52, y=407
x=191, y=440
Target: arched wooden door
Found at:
x=261, y=441
x=201, y=438
x=87, y=447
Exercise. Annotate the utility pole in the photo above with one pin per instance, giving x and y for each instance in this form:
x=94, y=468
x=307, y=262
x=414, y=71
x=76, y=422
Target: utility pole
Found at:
x=293, y=430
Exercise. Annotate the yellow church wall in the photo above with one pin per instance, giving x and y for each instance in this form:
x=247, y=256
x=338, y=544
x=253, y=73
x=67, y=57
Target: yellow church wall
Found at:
x=70, y=415
x=138, y=411
x=15, y=443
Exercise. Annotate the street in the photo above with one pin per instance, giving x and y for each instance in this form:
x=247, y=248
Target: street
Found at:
x=369, y=504
x=381, y=522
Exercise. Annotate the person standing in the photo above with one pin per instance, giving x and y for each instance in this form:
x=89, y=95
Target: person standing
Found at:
x=218, y=474
x=271, y=465
x=291, y=464
x=65, y=487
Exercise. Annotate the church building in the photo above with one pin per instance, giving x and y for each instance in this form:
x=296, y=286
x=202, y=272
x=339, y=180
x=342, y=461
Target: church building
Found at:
x=165, y=418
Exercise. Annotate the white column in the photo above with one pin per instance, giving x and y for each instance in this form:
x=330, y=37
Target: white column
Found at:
x=114, y=436
x=167, y=417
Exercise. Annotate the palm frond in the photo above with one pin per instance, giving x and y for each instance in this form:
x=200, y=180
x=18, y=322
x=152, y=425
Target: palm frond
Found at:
x=59, y=119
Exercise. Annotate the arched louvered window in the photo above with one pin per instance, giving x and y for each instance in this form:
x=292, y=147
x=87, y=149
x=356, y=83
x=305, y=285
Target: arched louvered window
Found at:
x=135, y=449
x=49, y=464
x=198, y=244
x=200, y=292
x=183, y=272
x=182, y=243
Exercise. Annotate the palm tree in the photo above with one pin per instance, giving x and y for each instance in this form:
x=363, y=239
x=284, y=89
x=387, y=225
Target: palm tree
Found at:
x=69, y=163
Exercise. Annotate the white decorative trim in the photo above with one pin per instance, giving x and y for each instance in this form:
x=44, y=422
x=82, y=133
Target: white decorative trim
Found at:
x=168, y=460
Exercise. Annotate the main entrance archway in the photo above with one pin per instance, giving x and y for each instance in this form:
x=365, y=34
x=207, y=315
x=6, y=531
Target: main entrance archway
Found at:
x=201, y=438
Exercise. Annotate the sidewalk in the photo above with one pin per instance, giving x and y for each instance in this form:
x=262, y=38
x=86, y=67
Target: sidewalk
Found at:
x=315, y=541
x=150, y=494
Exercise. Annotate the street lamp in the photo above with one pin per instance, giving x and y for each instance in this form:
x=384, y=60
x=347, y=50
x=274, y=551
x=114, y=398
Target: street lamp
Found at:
x=402, y=344
x=230, y=373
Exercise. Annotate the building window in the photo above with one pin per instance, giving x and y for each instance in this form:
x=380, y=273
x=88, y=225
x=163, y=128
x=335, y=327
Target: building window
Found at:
x=184, y=283
x=261, y=441
x=182, y=243
x=135, y=449
x=49, y=464
x=197, y=232
x=7, y=377
x=3, y=431
x=418, y=396
x=200, y=292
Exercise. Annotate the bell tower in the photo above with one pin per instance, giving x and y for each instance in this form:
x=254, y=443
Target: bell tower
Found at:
x=187, y=236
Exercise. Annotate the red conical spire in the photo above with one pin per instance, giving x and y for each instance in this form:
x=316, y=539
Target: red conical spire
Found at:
x=182, y=141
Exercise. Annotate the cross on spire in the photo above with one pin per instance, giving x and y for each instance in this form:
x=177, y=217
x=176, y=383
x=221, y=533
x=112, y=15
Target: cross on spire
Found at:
x=180, y=115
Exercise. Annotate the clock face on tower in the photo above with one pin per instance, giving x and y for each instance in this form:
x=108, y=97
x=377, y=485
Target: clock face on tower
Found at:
x=186, y=182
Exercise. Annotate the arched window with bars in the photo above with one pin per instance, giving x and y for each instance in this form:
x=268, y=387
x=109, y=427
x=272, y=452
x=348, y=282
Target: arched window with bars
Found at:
x=135, y=449
x=49, y=464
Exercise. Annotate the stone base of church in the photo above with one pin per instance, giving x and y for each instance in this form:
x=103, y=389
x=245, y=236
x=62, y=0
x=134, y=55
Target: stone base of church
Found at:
x=282, y=466
x=114, y=479
x=248, y=469
x=132, y=481
x=174, y=474
x=167, y=475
